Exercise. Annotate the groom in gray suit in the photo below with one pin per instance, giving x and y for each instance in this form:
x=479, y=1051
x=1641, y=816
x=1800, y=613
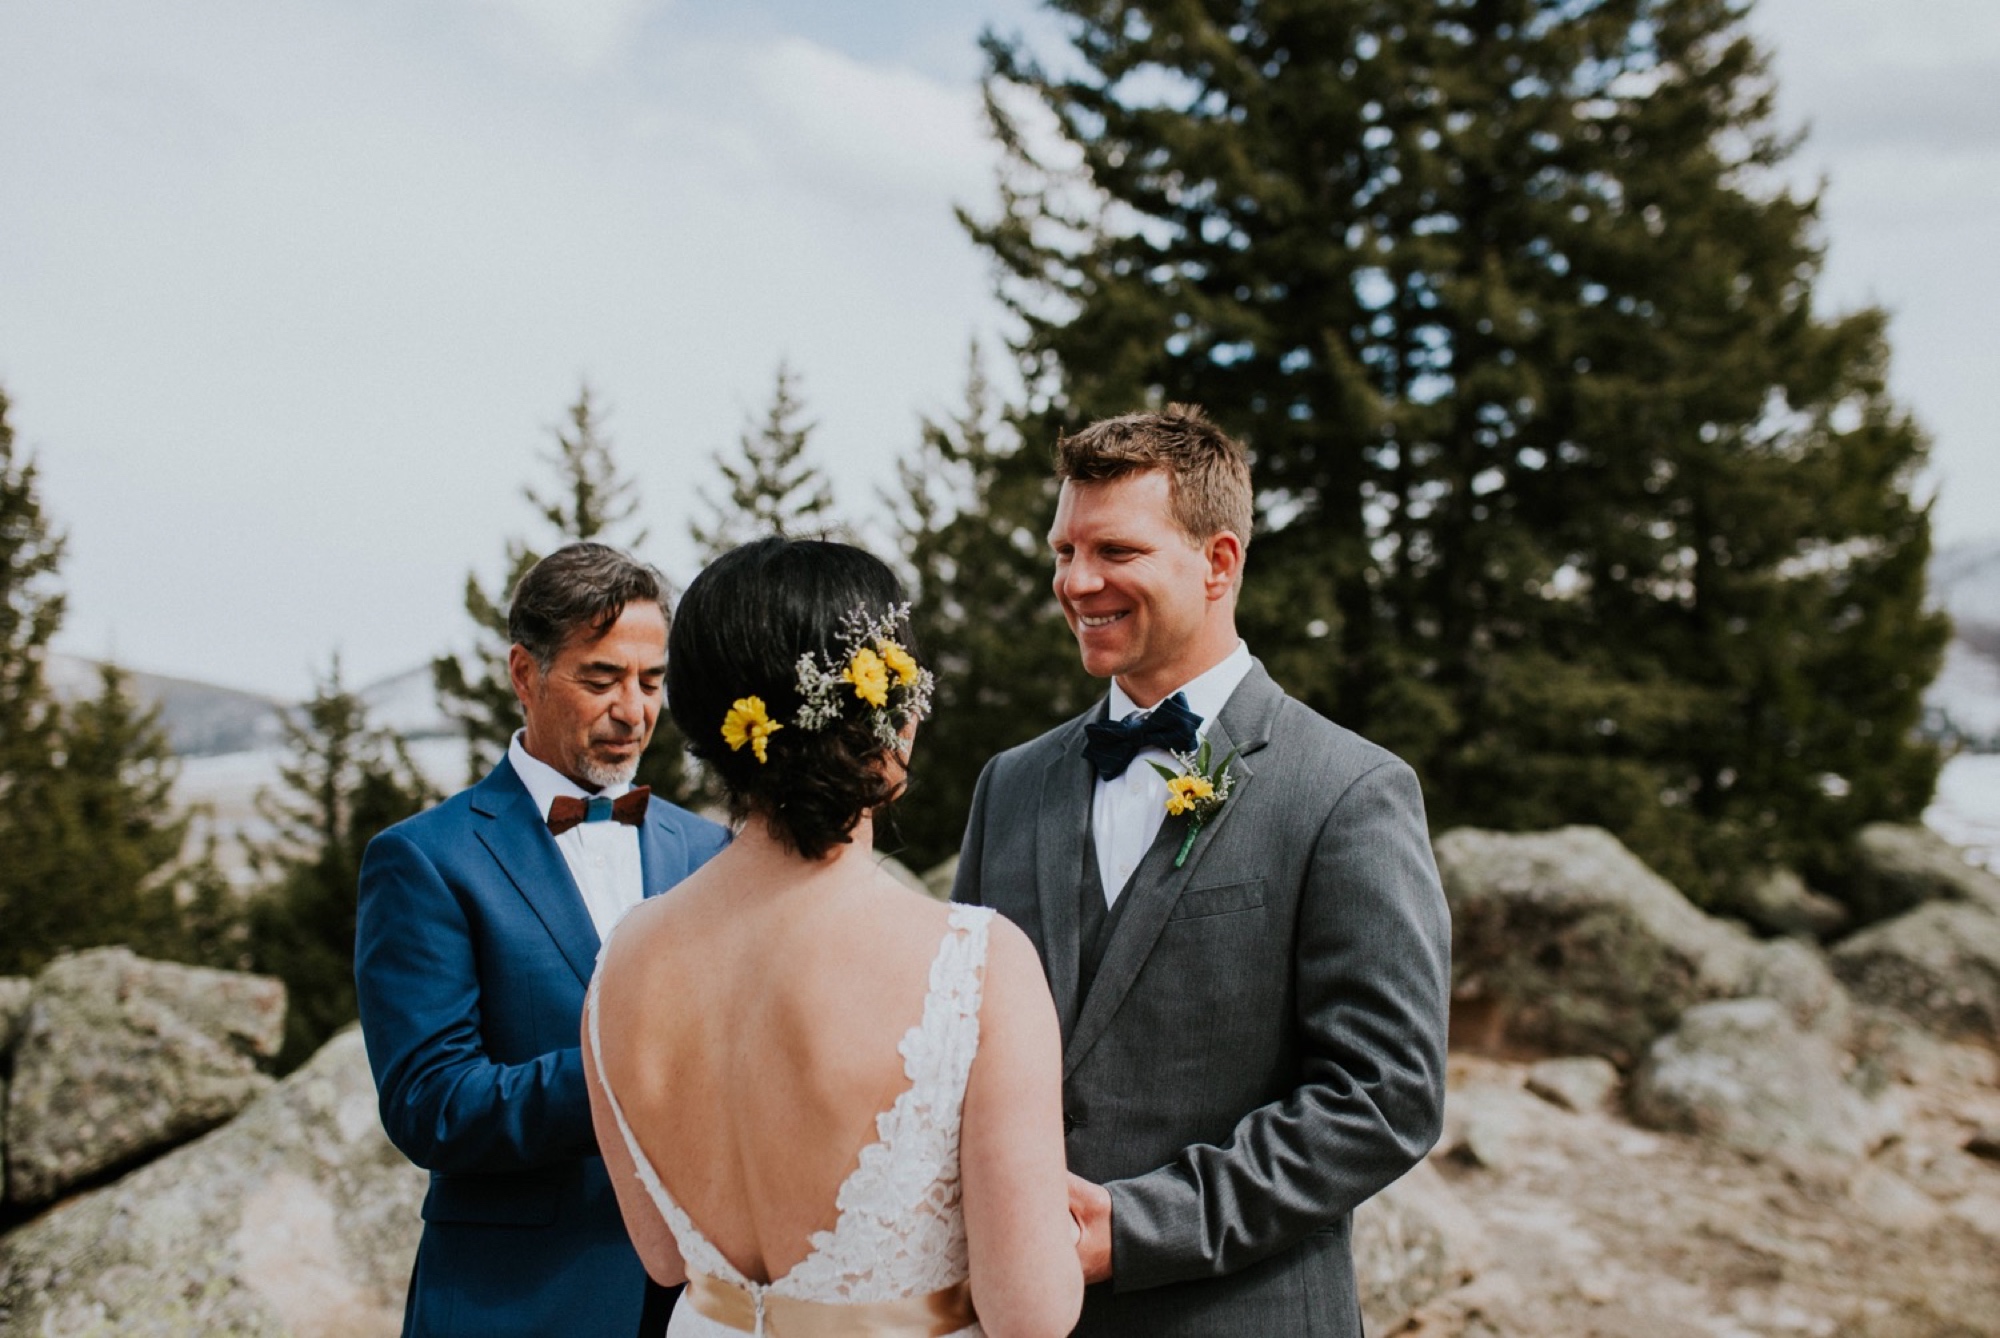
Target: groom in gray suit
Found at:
x=1251, y=985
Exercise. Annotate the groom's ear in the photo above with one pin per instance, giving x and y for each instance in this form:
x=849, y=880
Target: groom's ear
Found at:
x=1224, y=551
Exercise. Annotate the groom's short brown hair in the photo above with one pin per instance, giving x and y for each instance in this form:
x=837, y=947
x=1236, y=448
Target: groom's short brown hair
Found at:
x=1208, y=471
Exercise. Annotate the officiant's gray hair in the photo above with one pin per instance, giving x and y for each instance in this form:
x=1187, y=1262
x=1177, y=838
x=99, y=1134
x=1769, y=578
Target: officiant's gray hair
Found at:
x=578, y=586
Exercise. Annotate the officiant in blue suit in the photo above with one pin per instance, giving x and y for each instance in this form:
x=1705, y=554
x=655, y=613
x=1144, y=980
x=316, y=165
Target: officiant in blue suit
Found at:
x=478, y=929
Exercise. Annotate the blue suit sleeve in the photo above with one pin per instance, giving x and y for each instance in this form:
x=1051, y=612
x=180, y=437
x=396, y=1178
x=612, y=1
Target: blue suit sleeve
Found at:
x=445, y=1103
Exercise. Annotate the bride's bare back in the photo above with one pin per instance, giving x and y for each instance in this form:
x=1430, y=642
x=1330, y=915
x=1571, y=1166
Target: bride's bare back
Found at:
x=750, y=1024
x=751, y=1035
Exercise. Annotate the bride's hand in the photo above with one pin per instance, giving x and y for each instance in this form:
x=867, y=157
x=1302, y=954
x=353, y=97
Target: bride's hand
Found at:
x=1090, y=1210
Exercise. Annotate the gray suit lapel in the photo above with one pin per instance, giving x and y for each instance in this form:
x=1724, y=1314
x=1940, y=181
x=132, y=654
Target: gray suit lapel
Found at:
x=1059, y=838
x=1244, y=727
x=517, y=836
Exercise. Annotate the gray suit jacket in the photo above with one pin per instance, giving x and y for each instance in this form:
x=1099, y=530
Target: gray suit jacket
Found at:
x=1263, y=1045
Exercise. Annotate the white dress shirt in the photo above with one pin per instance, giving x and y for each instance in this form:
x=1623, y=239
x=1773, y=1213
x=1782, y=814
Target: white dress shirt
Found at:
x=603, y=857
x=1126, y=811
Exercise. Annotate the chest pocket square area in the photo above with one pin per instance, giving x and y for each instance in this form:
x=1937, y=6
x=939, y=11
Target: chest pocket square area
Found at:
x=1244, y=894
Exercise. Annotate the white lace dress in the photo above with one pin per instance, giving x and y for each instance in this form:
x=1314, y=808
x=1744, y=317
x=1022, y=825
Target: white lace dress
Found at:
x=900, y=1232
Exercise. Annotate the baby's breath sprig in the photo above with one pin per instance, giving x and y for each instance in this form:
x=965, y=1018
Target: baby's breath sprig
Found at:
x=871, y=668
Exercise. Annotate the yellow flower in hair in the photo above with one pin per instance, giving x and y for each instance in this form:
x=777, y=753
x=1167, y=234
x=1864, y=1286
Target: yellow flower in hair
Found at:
x=869, y=676
x=901, y=663
x=1185, y=792
x=747, y=723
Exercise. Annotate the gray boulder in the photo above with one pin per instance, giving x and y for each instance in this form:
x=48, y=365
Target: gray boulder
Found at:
x=121, y=1057
x=1739, y=1072
x=1798, y=975
x=1779, y=902
x=1583, y=1083
x=296, y=1218
x=1574, y=946
x=1898, y=868
x=939, y=880
x=1413, y=1242
x=1939, y=964
x=14, y=992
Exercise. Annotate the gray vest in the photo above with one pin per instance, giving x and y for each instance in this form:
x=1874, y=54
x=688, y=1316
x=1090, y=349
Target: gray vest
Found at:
x=1095, y=921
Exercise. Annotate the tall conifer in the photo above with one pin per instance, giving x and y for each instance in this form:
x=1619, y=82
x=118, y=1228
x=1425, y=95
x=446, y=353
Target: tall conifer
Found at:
x=342, y=782
x=1566, y=490
x=973, y=515
x=589, y=498
x=772, y=486
x=90, y=841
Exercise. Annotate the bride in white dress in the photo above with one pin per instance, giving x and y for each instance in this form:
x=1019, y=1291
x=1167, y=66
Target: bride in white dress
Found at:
x=830, y=1104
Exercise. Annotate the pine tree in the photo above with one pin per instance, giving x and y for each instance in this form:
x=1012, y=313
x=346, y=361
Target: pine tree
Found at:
x=90, y=842
x=772, y=487
x=973, y=515
x=31, y=609
x=342, y=783
x=589, y=500
x=1565, y=490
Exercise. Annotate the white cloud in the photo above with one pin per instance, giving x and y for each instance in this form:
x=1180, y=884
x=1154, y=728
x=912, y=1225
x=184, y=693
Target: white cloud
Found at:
x=840, y=120
x=584, y=35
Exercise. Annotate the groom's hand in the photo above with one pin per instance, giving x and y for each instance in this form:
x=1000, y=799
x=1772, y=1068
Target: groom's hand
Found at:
x=1090, y=1205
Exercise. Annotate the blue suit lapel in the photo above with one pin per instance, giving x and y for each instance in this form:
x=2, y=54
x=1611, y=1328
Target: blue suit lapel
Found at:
x=663, y=851
x=515, y=833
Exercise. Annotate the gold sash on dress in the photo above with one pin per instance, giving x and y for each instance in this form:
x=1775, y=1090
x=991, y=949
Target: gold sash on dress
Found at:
x=941, y=1312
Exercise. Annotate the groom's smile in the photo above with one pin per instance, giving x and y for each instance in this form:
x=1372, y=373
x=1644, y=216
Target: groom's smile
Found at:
x=1139, y=594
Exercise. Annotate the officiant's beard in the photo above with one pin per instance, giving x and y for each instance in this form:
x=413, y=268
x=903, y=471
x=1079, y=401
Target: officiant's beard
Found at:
x=604, y=775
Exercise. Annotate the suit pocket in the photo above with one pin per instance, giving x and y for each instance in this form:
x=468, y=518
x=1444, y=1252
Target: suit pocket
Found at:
x=1245, y=894
x=497, y=1200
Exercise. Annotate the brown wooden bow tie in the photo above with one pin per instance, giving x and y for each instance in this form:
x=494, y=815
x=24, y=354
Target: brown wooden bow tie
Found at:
x=566, y=810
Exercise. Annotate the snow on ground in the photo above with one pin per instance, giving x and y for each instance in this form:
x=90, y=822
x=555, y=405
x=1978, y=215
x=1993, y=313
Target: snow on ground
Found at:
x=1966, y=811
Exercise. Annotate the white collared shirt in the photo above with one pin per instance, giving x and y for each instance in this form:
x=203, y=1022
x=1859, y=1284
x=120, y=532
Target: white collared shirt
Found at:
x=603, y=857
x=1126, y=811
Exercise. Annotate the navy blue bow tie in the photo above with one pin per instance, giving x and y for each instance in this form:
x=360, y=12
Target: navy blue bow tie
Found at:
x=1113, y=744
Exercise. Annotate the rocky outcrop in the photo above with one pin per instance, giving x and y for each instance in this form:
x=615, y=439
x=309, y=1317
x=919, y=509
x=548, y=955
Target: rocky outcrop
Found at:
x=1939, y=965
x=1582, y=1084
x=1576, y=947
x=120, y=1057
x=1779, y=902
x=939, y=880
x=14, y=992
x=1412, y=1242
x=1898, y=868
x=1797, y=975
x=297, y=1218
x=1739, y=1072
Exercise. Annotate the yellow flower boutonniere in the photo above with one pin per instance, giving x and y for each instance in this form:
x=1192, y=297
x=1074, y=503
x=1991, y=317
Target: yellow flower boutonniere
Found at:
x=748, y=723
x=1198, y=790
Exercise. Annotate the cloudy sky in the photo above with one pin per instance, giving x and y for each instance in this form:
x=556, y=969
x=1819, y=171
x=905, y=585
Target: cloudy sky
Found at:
x=292, y=291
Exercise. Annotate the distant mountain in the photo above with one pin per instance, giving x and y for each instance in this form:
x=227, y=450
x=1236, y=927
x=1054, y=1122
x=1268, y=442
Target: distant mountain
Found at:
x=201, y=719
x=1964, y=702
x=204, y=720
x=407, y=703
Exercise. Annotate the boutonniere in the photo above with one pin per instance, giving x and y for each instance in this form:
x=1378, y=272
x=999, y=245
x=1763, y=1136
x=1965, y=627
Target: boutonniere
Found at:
x=1197, y=789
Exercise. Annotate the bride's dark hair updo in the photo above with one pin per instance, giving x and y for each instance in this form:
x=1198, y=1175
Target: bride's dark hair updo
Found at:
x=739, y=633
